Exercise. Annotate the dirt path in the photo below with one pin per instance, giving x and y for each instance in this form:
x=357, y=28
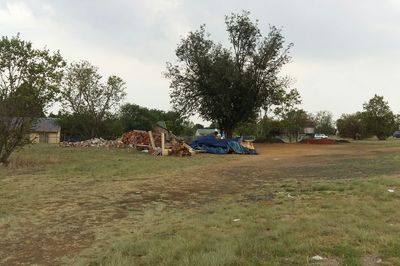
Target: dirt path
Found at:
x=63, y=217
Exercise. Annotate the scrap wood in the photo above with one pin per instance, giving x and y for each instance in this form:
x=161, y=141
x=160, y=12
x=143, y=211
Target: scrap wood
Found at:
x=190, y=149
x=179, y=148
x=156, y=144
x=139, y=137
x=153, y=146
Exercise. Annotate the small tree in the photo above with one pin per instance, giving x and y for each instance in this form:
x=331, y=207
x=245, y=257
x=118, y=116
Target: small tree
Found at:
x=324, y=122
x=30, y=80
x=379, y=118
x=293, y=123
x=352, y=126
x=268, y=128
x=292, y=120
x=84, y=94
x=229, y=85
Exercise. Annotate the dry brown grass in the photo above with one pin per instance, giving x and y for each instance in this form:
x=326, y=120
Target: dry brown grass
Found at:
x=115, y=207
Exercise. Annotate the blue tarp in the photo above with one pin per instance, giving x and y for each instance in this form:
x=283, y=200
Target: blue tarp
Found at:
x=220, y=146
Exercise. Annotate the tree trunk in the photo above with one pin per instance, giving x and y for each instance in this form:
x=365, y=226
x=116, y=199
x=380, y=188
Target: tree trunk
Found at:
x=228, y=133
x=92, y=134
x=4, y=159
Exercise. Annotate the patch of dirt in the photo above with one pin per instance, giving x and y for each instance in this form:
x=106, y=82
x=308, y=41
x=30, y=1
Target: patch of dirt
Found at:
x=68, y=216
x=371, y=261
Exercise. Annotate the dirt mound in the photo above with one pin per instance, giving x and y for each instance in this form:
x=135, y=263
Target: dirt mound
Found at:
x=318, y=141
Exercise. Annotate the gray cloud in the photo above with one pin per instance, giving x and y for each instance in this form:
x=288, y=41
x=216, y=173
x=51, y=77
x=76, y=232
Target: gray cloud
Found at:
x=345, y=51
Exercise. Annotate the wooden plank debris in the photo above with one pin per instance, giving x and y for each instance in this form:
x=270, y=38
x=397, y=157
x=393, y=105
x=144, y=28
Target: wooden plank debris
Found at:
x=157, y=143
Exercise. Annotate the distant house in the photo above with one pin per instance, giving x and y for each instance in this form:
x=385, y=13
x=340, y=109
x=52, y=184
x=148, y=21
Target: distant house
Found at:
x=46, y=130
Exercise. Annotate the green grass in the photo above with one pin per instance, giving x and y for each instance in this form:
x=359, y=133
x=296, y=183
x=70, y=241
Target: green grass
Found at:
x=336, y=222
x=99, y=163
x=136, y=209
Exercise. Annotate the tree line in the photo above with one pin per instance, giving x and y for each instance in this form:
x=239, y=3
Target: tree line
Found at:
x=32, y=80
x=128, y=117
x=239, y=88
x=375, y=120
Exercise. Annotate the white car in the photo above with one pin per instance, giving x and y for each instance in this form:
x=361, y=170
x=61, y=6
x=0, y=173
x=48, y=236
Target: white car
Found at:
x=320, y=136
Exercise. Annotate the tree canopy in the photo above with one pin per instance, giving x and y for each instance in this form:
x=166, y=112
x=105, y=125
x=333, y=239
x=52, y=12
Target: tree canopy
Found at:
x=229, y=85
x=137, y=117
x=379, y=118
x=84, y=94
x=376, y=119
x=352, y=126
x=29, y=83
x=324, y=123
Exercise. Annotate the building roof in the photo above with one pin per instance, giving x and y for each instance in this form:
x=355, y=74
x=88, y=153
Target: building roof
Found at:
x=46, y=125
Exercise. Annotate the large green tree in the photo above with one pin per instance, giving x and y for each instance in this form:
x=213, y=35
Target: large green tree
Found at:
x=294, y=122
x=352, y=126
x=229, y=85
x=379, y=118
x=84, y=94
x=29, y=83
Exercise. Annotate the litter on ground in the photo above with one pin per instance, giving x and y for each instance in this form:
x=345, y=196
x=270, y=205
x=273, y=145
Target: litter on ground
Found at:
x=318, y=258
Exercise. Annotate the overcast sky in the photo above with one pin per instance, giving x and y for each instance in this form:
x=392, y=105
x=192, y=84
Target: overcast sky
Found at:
x=344, y=51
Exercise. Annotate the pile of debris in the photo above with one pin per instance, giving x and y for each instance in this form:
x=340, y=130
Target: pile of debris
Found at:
x=162, y=142
x=140, y=139
x=95, y=142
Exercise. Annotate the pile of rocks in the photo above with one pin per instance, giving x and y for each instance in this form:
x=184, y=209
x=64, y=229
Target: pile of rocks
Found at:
x=95, y=142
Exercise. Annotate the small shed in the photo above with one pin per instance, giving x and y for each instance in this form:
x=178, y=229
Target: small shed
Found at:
x=46, y=130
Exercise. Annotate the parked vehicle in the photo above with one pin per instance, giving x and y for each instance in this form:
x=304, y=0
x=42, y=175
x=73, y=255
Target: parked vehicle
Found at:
x=320, y=136
x=396, y=134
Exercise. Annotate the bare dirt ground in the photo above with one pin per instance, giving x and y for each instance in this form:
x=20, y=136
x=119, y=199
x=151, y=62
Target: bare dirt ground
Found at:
x=58, y=219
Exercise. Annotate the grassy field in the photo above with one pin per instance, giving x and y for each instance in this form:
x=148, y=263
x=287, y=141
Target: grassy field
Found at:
x=282, y=207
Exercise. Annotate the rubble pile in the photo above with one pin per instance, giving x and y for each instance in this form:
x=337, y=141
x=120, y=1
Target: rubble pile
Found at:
x=140, y=139
x=179, y=148
x=95, y=142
